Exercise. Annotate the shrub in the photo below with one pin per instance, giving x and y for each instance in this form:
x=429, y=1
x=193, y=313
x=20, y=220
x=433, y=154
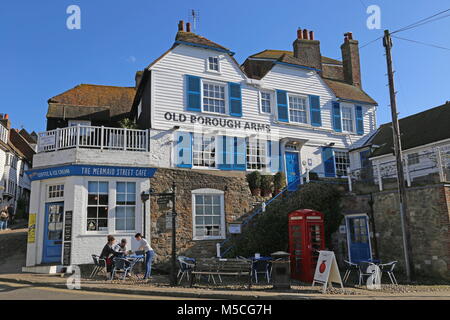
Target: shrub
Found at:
x=268, y=232
x=313, y=176
x=266, y=185
x=279, y=181
x=128, y=124
x=254, y=180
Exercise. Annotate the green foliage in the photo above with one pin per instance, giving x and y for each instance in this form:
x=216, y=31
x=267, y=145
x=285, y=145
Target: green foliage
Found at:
x=21, y=210
x=128, y=124
x=266, y=184
x=313, y=176
x=268, y=232
x=254, y=180
x=279, y=180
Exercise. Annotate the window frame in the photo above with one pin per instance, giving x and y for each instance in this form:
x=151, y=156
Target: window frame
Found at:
x=209, y=192
x=125, y=205
x=353, y=112
x=109, y=207
x=208, y=64
x=261, y=156
x=271, y=100
x=413, y=158
x=194, y=135
x=307, y=109
x=202, y=96
x=336, y=164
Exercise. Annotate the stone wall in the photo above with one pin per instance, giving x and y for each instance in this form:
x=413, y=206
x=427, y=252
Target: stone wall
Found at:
x=429, y=209
x=238, y=202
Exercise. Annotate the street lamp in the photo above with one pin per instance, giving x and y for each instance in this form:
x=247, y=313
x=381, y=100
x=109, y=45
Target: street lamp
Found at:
x=172, y=196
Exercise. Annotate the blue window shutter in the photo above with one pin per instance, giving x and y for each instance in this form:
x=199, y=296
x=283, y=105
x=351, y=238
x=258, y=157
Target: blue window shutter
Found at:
x=225, y=148
x=337, y=126
x=183, y=150
x=240, y=154
x=282, y=106
x=328, y=162
x=359, y=121
x=314, y=105
x=193, y=95
x=234, y=93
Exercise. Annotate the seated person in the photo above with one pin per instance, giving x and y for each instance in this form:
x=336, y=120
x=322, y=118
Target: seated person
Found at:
x=109, y=253
x=121, y=247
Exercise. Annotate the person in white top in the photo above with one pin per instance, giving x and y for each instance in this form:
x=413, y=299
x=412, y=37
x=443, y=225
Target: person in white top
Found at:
x=149, y=253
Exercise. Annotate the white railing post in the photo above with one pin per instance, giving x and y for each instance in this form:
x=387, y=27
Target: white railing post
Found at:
x=307, y=175
x=102, y=136
x=56, y=138
x=380, y=180
x=349, y=178
x=440, y=164
x=125, y=139
x=263, y=207
x=217, y=251
x=408, y=175
x=77, y=143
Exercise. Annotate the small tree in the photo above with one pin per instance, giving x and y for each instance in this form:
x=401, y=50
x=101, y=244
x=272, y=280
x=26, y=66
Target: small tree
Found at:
x=279, y=181
x=127, y=123
x=266, y=185
x=254, y=182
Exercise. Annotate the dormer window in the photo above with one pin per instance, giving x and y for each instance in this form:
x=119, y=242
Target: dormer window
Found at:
x=213, y=64
x=347, y=119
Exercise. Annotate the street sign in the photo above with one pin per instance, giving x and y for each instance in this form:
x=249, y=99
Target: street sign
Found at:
x=234, y=228
x=163, y=200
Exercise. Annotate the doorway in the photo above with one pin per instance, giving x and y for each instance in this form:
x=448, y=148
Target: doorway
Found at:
x=53, y=232
x=292, y=170
x=358, y=238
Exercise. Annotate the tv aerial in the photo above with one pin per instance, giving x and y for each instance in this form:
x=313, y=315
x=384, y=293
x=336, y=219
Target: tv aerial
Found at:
x=194, y=18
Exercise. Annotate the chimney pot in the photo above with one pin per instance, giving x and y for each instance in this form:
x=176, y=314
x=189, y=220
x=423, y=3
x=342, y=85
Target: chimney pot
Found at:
x=305, y=34
x=6, y=116
x=311, y=35
x=299, y=34
x=188, y=27
x=181, y=25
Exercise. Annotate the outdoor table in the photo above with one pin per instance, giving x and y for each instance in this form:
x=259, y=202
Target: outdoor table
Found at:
x=134, y=259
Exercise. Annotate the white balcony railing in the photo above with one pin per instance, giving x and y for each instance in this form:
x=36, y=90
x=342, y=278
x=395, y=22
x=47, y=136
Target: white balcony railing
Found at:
x=93, y=138
x=3, y=134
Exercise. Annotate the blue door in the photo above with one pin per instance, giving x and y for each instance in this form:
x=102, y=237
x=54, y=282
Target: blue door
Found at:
x=53, y=232
x=358, y=238
x=292, y=170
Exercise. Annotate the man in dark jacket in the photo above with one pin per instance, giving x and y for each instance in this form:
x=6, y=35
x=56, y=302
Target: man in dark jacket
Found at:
x=11, y=213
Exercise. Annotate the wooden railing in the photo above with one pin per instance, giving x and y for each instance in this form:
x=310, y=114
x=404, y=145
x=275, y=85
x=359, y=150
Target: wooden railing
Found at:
x=3, y=134
x=93, y=138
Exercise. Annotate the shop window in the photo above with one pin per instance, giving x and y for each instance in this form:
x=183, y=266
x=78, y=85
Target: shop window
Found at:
x=208, y=214
x=256, y=154
x=56, y=191
x=342, y=161
x=204, y=151
x=125, y=206
x=97, y=210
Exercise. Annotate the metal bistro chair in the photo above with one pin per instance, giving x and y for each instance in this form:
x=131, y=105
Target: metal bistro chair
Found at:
x=389, y=269
x=363, y=266
x=121, y=265
x=261, y=267
x=99, y=265
x=350, y=267
x=186, y=266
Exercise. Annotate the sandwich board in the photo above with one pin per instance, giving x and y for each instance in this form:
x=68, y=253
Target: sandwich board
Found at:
x=327, y=270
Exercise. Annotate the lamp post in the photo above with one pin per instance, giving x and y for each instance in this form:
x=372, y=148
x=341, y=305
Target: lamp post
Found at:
x=172, y=195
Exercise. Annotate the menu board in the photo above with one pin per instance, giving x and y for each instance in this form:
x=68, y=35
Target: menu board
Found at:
x=67, y=252
x=67, y=246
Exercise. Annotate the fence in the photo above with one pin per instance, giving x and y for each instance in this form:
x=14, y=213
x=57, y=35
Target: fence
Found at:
x=428, y=167
x=3, y=134
x=93, y=137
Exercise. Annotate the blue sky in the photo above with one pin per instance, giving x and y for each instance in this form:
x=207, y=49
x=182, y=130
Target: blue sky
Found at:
x=40, y=57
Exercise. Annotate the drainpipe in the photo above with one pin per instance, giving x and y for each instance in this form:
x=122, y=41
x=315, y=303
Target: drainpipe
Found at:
x=372, y=222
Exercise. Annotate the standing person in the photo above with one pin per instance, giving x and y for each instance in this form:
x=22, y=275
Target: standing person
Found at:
x=108, y=253
x=149, y=253
x=3, y=218
x=11, y=213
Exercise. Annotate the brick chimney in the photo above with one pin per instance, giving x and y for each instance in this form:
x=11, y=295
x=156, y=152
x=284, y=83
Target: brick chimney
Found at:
x=4, y=119
x=307, y=50
x=138, y=78
x=180, y=25
x=350, y=60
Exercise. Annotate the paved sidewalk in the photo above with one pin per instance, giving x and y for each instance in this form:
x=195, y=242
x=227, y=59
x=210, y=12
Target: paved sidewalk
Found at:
x=258, y=292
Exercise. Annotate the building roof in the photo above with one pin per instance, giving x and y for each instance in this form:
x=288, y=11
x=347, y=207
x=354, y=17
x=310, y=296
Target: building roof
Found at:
x=20, y=145
x=346, y=91
x=30, y=138
x=193, y=38
x=417, y=130
x=90, y=98
x=276, y=54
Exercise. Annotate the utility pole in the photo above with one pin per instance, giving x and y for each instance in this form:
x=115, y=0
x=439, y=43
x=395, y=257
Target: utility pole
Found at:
x=404, y=217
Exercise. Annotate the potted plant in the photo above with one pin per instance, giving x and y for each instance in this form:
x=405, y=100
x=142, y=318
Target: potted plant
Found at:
x=266, y=185
x=279, y=182
x=254, y=182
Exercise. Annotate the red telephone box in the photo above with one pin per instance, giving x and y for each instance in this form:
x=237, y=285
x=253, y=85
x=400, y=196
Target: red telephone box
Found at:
x=306, y=238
